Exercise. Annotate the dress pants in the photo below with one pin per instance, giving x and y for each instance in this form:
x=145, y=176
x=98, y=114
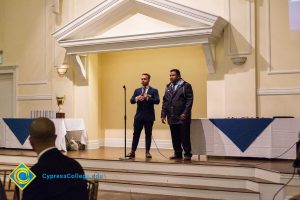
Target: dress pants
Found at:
x=138, y=127
x=181, y=138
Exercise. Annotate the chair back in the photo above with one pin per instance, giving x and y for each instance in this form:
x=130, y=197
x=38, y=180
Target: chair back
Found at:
x=92, y=186
x=2, y=192
x=10, y=189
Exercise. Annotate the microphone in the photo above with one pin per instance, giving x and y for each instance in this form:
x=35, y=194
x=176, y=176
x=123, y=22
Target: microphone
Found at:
x=124, y=86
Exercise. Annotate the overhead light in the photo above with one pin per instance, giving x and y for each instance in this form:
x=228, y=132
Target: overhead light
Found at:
x=62, y=69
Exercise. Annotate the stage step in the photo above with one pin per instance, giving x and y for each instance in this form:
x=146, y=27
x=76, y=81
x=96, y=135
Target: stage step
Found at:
x=204, y=180
x=189, y=168
x=193, y=184
x=225, y=193
x=113, y=195
x=184, y=178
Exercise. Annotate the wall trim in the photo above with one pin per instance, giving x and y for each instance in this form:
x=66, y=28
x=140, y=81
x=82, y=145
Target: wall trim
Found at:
x=94, y=144
x=33, y=83
x=34, y=97
x=229, y=38
x=278, y=91
x=119, y=142
x=271, y=70
x=190, y=36
x=275, y=72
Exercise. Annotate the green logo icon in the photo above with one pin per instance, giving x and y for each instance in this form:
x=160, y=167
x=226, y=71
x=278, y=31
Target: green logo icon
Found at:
x=22, y=176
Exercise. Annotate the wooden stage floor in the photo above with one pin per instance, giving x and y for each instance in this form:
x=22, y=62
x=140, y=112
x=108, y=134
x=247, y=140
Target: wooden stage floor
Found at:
x=111, y=153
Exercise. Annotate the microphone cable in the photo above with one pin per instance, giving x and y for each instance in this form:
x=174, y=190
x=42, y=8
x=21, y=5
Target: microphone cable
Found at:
x=277, y=156
x=254, y=165
x=284, y=185
x=158, y=148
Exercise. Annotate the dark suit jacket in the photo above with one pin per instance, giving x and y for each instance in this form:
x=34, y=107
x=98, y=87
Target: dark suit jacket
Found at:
x=177, y=103
x=145, y=109
x=54, y=162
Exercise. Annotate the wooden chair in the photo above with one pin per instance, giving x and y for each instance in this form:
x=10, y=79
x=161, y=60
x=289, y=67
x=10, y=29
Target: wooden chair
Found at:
x=92, y=186
x=2, y=192
x=9, y=187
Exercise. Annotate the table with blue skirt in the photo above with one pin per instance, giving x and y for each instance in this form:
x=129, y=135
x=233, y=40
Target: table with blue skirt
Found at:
x=14, y=132
x=245, y=137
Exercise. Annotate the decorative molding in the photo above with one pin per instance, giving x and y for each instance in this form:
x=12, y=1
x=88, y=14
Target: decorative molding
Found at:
x=249, y=52
x=84, y=19
x=271, y=70
x=55, y=6
x=182, y=10
x=81, y=65
x=112, y=41
x=96, y=14
x=278, y=91
x=8, y=68
x=197, y=27
x=94, y=144
x=34, y=97
x=141, y=41
x=210, y=59
x=33, y=83
x=119, y=142
x=274, y=72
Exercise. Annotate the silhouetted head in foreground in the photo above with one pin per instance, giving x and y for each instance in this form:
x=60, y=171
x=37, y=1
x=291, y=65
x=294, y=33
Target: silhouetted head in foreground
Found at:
x=42, y=134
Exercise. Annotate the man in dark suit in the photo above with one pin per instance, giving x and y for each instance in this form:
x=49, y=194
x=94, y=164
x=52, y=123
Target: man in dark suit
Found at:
x=52, y=162
x=177, y=106
x=145, y=97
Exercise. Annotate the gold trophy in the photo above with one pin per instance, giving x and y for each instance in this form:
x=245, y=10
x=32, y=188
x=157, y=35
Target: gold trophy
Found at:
x=60, y=103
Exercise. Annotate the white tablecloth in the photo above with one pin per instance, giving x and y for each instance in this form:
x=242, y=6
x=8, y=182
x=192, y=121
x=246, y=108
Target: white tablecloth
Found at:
x=9, y=140
x=279, y=136
x=76, y=125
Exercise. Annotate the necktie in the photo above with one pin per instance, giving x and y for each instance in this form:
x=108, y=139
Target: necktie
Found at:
x=144, y=90
x=173, y=88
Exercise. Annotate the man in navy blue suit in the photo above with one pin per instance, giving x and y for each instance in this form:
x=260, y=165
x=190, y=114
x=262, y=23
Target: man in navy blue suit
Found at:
x=52, y=162
x=145, y=97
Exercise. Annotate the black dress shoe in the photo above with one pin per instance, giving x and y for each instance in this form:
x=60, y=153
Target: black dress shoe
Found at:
x=187, y=158
x=148, y=155
x=131, y=155
x=175, y=157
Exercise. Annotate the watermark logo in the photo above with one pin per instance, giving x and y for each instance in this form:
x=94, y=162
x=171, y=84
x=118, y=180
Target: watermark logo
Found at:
x=22, y=176
x=72, y=176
